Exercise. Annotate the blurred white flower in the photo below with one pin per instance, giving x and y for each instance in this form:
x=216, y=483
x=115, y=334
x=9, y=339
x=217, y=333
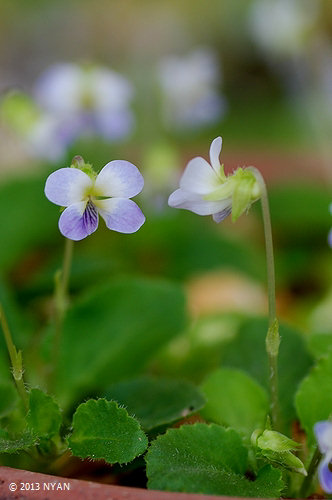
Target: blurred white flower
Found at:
x=281, y=27
x=92, y=100
x=190, y=89
x=42, y=135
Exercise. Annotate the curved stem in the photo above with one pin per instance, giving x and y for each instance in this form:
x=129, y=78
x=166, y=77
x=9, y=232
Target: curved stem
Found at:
x=15, y=359
x=272, y=339
x=61, y=300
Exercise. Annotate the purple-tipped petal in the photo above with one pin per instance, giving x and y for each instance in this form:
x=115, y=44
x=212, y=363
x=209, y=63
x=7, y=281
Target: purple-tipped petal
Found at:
x=323, y=433
x=78, y=220
x=199, y=177
x=119, y=179
x=215, y=150
x=67, y=186
x=222, y=215
x=325, y=474
x=195, y=203
x=121, y=214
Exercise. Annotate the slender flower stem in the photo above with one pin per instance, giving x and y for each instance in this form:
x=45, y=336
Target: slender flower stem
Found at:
x=61, y=298
x=272, y=338
x=15, y=359
x=311, y=473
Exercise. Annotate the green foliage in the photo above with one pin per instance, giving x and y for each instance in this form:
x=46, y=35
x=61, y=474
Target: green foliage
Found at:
x=102, y=430
x=308, y=205
x=27, y=218
x=174, y=250
x=207, y=459
x=156, y=402
x=314, y=397
x=8, y=398
x=320, y=343
x=234, y=399
x=247, y=352
x=44, y=417
x=13, y=445
x=114, y=331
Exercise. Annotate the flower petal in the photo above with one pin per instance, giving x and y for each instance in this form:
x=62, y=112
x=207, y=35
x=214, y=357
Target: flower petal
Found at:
x=67, y=186
x=78, y=220
x=215, y=150
x=323, y=433
x=195, y=203
x=325, y=474
x=114, y=124
x=121, y=214
x=199, y=177
x=222, y=215
x=58, y=89
x=119, y=179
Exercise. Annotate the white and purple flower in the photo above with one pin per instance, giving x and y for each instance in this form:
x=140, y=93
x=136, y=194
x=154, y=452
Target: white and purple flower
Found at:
x=93, y=100
x=87, y=195
x=206, y=190
x=323, y=432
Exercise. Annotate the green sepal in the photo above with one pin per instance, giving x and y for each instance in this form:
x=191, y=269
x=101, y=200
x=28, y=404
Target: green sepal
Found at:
x=245, y=192
x=285, y=459
x=275, y=441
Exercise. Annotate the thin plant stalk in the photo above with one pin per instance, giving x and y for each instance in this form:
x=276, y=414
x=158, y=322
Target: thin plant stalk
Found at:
x=304, y=490
x=61, y=298
x=272, y=339
x=15, y=359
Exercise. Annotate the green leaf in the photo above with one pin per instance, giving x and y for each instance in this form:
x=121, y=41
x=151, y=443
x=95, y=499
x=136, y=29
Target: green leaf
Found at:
x=102, y=430
x=207, y=459
x=319, y=344
x=156, y=402
x=27, y=218
x=112, y=333
x=234, y=399
x=44, y=417
x=9, y=445
x=8, y=398
x=314, y=397
x=247, y=352
x=175, y=250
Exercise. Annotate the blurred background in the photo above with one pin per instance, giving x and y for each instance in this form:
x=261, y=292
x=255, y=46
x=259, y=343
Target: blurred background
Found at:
x=153, y=82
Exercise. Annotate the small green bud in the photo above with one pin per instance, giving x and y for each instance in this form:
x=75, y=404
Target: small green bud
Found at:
x=275, y=441
x=78, y=162
x=255, y=435
x=276, y=448
x=273, y=339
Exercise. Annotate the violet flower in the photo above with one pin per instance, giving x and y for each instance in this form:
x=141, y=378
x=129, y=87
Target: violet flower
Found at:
x=91, y=99
x=85, y=195
x=323, y=432
x=206, y=190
